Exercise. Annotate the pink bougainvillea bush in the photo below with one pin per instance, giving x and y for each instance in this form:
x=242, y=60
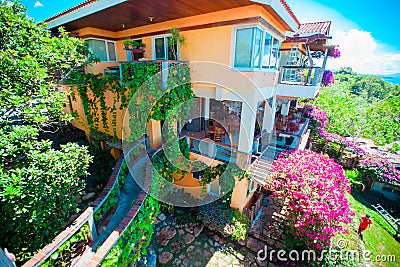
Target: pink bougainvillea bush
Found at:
x=378, y=168
x=373, y=167
x=315, y=188
x=320, y=121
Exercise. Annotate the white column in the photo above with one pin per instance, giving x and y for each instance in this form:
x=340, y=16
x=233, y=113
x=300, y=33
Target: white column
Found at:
x=269, y=117
x=247, y=125
x=206, y=108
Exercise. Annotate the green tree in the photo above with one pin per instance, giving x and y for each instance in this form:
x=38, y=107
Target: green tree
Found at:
x=361, y=105
x=37, y=183
x=32, y=65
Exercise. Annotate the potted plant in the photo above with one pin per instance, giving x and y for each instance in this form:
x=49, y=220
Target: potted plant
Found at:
x=134, y=44
x=127, y=43
x=176, y=38
x=141, y=45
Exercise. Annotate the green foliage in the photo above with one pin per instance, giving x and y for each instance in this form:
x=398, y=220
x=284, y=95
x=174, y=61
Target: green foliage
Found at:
x=241, y=224
x=360, y=105
x=109, y=204
x=92, y=89
x=395, y=147
x=70, y=249
x=176, y=38
x=37, y=182
x=32, y=64
x=134, y=75
x=136, y=237
x=123, y=172
x=178, y=91
x=355, y=179
x=186, y=215
x=168, y=169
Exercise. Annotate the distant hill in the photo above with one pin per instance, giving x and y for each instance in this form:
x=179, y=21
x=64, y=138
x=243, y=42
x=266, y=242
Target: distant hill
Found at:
x=393, y=78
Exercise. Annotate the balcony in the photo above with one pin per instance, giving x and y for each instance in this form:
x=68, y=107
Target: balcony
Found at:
x=297, y=81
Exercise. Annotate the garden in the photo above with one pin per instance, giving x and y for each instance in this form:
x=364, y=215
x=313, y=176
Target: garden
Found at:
x=362, y=169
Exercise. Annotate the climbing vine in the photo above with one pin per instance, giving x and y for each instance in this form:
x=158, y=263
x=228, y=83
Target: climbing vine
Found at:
x=178, y=91
x=69, y=249
x=165, y=168
x=136, y=238
x=92, y=89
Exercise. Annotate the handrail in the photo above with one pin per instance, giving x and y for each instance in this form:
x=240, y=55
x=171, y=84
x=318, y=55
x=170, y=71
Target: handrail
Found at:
x=85, y=217
x=308, y=76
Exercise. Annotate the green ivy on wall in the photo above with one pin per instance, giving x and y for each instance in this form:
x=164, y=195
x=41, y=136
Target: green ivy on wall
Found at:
x=92, y=89
x=159, y=102
x=136, y=238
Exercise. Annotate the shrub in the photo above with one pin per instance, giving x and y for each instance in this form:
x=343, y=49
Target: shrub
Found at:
x=228, y=222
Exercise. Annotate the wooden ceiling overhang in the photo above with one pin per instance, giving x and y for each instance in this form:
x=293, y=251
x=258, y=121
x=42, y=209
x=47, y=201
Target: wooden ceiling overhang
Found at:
x=137, y=13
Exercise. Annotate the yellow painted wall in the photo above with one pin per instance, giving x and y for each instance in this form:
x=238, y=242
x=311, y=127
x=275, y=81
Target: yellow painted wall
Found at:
x=239, y=199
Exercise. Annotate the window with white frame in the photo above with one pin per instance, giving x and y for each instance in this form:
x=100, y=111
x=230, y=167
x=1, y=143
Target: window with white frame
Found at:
x=102, y=49
x=163, y=50
x=255, y=48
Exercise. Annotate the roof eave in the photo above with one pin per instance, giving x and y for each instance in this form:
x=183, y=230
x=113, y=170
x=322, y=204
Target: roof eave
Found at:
x=283, y=11
x=79, y=12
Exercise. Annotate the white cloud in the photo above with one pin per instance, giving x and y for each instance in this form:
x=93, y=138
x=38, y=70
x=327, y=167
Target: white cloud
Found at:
x=359, y=50
x=38, y=4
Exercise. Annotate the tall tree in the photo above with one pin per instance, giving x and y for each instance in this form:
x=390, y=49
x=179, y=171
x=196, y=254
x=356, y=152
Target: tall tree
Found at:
x=37, y=183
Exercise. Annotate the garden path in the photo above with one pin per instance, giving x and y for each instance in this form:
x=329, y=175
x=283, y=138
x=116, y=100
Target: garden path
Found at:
x=128, y=194
x=194, y=245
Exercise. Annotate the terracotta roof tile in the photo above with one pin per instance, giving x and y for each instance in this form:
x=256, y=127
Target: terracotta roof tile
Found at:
x=314, y=27
x=69, y=10
x=288, y=9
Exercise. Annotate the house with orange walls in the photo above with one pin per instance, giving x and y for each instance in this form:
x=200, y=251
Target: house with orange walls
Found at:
x=249, y=60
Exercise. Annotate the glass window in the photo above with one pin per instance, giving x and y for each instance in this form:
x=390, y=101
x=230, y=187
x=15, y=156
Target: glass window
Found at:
x=267, y=50
x=101, y=49
x=160, y=48
x=244, y=40
x=255, y=48
x=111, y=52
x=248, y=47
x=273, y=63
x=164, y=51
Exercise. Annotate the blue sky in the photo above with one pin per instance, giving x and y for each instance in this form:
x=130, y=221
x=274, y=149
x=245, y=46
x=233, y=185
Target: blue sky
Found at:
x=365, y=30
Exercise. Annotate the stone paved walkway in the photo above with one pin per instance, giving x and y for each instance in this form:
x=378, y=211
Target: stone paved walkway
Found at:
x=195, y=245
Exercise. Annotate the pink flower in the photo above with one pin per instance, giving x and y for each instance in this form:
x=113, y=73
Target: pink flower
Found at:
x=315, y=187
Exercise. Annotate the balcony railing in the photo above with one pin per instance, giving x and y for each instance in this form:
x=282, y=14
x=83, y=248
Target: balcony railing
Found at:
x=301, y=75
x=162, y=66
